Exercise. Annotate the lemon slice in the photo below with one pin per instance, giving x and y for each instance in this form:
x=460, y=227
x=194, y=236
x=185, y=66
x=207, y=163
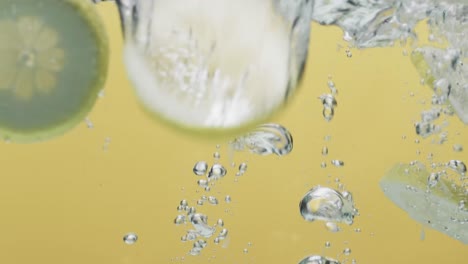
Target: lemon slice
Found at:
x=215, y=65
x=444, y=71
x=440, y=206
x=54, y=57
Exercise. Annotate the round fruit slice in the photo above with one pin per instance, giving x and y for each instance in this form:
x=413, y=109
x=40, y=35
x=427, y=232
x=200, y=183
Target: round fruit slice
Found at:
x=54, y=57
x=226, y=66
x=439, y=205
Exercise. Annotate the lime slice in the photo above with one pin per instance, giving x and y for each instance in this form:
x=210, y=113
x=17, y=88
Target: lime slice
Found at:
x=54, y=62
x=214, y=66
x=440, y=206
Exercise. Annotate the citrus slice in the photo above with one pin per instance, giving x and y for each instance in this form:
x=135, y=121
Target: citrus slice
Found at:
x=440, y=205
x=54, y=57
x=215, y=65
x=444, y=71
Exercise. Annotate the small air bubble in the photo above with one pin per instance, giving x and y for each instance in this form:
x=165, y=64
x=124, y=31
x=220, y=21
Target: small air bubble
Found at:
x=337, y=163
x=457, y=148
x=89, y=123
x=130, y=238
x=347, y=251
x=324, y=151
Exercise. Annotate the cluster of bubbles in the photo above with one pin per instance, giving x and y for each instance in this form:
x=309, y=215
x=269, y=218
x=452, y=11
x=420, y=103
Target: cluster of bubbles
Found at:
x=199, y=222
x=368, y=24
x=323, y=203
x=329, y=101
x=264, y=140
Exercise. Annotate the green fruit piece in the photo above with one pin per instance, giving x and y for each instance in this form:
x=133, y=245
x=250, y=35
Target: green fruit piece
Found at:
x=54, y=63
x=440, y=207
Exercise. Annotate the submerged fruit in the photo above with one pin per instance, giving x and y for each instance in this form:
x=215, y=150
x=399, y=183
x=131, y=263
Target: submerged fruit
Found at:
x=217, y=65
x=439, y=206
x=53, y=64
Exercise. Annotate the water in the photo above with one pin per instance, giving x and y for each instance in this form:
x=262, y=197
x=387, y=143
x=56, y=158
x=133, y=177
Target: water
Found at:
x=265, y=140
x=318, y=260
x=130, y=238
x=325, y=204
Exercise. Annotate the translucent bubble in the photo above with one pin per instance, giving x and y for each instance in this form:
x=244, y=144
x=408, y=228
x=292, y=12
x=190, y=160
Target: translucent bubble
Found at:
x=89, y=123
x=457, y=165
x=318, y=260
x=200, y=168
x=243, y=167
x=324, y=151
x=457, y=147
x=265, y=140
x=337, y=163
x=200, y=223
x=227, y=199
x=180, y=219
x=223, y=233
x=326, y=204
x=347, y=251
x=202, y=183
x=213, y=200
x=433, y=179
x=332, y=227
x=130, y=238
x=217, y=171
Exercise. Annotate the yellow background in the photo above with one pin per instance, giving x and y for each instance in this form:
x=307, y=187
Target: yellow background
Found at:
x=69, y=201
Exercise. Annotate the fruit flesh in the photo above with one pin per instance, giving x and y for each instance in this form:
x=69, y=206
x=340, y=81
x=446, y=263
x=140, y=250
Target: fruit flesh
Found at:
x=60, y=64
x=437, y=207
x=207, y=68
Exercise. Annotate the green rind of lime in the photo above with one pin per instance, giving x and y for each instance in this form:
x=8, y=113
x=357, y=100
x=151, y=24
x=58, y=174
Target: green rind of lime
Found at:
x=438, y=207
x=88, y=13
